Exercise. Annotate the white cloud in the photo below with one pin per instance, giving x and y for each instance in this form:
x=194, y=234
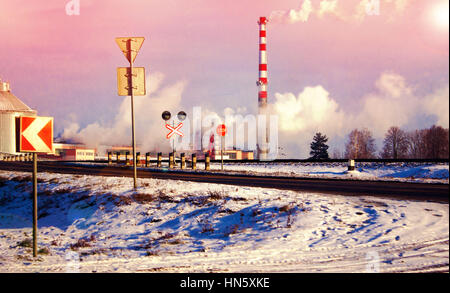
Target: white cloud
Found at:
x=150, y=131
x=327, y=7
x=302, y=14
x=305, y=11
x=437, y=104
x=394, y=103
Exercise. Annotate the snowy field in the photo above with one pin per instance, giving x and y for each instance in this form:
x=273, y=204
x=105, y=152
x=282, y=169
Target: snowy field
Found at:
x=400, y=172
x=98, y=224
x=405, y=172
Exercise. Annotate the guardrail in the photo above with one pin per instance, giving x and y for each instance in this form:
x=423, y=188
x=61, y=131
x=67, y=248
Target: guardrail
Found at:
x=275, y=161
x=16, y=158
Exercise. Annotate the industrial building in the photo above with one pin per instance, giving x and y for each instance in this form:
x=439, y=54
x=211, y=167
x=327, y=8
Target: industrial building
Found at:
x=73, y=152
x=11, y=107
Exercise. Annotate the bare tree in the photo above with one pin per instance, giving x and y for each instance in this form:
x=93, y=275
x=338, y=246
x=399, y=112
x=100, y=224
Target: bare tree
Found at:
x=395, y=144
x=436, y=142
x=416, y=144
x=337, y=154
x=360, y=145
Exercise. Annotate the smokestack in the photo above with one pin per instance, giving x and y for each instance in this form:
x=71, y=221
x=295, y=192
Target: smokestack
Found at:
x=262, y=81
x=262, y=89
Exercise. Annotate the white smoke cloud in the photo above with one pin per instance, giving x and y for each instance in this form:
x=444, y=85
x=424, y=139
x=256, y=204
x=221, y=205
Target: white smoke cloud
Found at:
x=389, y=8
x=394, y=103
x=304, y=12
x=327, y=7
x=363, y=8
x=150, y=131
x=437, y=104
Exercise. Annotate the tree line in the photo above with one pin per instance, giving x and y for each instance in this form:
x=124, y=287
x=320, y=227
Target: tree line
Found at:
x=429, y=143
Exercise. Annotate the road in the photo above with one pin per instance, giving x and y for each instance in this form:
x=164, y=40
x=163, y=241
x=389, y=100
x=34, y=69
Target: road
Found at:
x=397, y=190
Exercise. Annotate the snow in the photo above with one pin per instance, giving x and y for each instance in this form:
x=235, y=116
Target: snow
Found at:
x=405, y=172
x=92, y=223
x=400, y=172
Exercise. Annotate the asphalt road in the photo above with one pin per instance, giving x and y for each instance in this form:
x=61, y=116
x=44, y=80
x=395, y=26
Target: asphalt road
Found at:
x=395, y=190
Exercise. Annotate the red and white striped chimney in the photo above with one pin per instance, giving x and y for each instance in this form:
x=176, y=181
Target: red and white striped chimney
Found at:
x=262, y=81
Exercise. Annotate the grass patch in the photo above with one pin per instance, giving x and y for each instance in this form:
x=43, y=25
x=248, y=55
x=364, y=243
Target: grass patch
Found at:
x=143, y=198
x=83, y=242
x=152, y=253
x=25, y=243
x=44, y=251
x=216, y=195
x=233, y=229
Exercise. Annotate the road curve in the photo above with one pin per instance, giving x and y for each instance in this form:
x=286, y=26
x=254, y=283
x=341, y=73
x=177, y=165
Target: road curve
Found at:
x=397, y=190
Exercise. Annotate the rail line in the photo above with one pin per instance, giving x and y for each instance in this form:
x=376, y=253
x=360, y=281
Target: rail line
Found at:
x=388, y=189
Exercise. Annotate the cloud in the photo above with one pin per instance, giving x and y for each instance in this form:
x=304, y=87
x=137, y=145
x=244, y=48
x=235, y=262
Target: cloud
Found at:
x=393, y=103
x=150, y=133
x=302, y=14
x=437, y=104
x=388, y=8
x=327, y=7
x=311, y=110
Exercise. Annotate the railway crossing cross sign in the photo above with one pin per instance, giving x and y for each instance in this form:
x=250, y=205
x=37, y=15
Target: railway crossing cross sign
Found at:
x=174, y=130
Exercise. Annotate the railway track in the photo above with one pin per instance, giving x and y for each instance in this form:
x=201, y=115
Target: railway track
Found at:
x=396, y=190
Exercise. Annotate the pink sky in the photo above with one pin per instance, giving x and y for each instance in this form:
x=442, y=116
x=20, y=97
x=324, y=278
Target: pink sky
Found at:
x=66, y=65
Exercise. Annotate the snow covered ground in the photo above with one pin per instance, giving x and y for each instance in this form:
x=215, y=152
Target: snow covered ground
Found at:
x=405, y=172
x=89, y=223
x=401, y=172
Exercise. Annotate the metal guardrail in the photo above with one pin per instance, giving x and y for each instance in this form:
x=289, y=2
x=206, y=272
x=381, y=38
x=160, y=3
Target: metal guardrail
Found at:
x=16, y=158
x=277, y=161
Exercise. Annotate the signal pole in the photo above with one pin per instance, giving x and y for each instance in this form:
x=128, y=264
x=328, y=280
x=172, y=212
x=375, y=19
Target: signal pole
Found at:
x=130, y=46
x=130, y=80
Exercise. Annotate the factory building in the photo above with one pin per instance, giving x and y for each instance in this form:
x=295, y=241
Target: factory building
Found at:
x=11, y=107
x=72, y=152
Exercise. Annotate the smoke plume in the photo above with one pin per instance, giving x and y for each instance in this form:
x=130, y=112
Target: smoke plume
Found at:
x=150, y=133
x=348, y=11
x=393, y=103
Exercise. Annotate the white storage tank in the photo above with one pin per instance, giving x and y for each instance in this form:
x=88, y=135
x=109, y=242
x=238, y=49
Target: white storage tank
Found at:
x=10, y=108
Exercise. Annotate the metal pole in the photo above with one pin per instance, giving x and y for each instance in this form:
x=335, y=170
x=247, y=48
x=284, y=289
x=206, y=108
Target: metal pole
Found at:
x=173, y=140
x=132, y=116
x=35, y=216
x=221, y=151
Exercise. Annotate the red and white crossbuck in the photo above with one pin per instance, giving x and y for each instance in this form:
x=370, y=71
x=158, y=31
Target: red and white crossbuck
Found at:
x=174, y=130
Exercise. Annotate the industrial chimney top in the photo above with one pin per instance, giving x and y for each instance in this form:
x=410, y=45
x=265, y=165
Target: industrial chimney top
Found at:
x=263, y=20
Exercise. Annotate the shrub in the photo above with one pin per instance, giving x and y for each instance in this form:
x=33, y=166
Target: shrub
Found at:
x=25, y=243
x=44, y=251
x=83, y=242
